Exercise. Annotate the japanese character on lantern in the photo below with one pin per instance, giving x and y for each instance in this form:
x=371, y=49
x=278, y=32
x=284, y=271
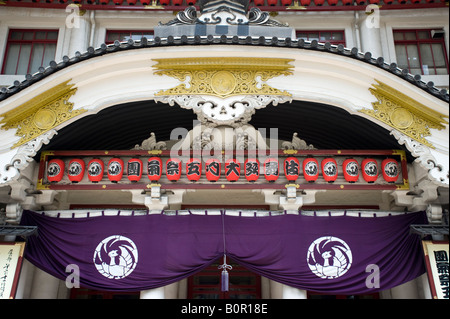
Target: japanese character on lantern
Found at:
x=251, y=169
x=232, y=170
x=154, y=168
x=194, y=169
x=291, y=168
x=212, y=170
x=173, y=169
x=134, y=169
x=271, y=169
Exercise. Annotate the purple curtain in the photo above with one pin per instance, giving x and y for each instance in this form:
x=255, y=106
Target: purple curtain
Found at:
x=335, y=255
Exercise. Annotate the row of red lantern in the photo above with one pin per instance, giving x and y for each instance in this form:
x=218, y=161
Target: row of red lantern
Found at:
x=291, y=167
x=95, y=170
x=350, y=167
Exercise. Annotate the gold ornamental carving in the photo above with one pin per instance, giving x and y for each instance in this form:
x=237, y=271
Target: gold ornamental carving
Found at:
x=42, y=113
x=223, y=82
x=404, y=114
x=223, y=76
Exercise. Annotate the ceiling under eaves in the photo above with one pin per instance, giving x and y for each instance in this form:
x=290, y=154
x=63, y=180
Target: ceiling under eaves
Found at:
x=123, y=126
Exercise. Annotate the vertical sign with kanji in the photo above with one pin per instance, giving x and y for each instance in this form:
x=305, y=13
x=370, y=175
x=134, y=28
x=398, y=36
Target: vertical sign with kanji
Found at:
x=10, y=263
x=437, y=259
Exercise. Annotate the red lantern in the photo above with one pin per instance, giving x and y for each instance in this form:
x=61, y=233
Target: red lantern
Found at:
x=212, y=169
x=319, y=2
x=390, y=170
x=146, y=2
x=163, y=2
x=286, y=2
x=332, y=2
x=55, y=170
x=115, y=169
x=369, y=169
x=194, y=169
x=251, y=169
x=272, y=2
x=76, y=170
x=258, y=2
x=177, y=2
x=173, y=169
x=305, y=2
x=351, y=170
x=310, y=169
x=134, y=169
x=131, y=2
x=154, y=168
x=329, y=169
x=191, y=2
x=117, y=2
x=347, y=2
x=104, y=1
x=271, y=171
x=95, y=170
x=291, y=168
x=232, y=170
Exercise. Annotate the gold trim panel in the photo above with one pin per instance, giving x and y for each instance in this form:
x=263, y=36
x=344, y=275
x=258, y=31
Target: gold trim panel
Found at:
x=223, y=76
x=403, y=113
x=42, y=113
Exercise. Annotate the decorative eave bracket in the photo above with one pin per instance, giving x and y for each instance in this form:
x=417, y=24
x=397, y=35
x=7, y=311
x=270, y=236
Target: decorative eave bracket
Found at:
x=404, y=114
x=42, y=113
x=223, y=90
x=411, y=122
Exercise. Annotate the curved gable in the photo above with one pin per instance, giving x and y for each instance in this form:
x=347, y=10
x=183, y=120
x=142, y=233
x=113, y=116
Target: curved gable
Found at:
x=319, y=75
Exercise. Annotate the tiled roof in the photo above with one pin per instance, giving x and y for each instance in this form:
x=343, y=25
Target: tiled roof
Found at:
x=301, y=44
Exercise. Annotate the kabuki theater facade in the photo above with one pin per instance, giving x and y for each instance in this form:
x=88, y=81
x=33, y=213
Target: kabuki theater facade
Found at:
x=222, y=155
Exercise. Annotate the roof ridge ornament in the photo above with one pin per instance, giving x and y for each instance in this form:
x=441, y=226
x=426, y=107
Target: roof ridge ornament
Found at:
x=256, y=16
x=223, y=12
x=205, y=4
x=188, y=16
